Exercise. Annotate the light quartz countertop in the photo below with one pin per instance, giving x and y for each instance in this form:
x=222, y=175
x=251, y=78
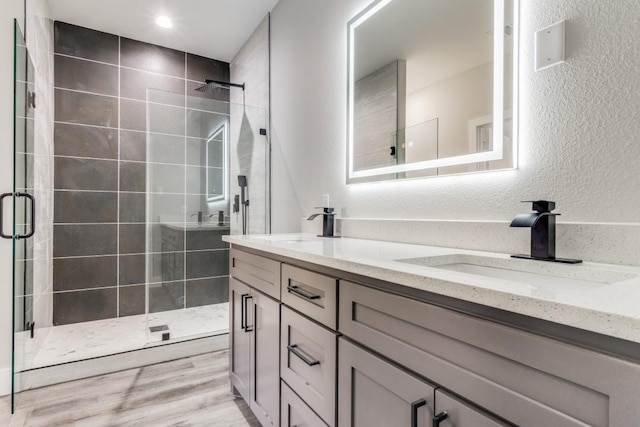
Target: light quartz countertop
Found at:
x=610, y=309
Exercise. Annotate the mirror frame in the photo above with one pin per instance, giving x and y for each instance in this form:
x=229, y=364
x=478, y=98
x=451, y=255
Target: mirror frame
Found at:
x=498, y=115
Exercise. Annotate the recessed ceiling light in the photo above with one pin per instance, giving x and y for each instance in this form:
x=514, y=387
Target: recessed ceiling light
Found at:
x=164, y=22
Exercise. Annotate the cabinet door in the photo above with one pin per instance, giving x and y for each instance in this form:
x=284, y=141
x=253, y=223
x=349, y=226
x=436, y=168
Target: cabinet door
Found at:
x=239, y=337
x=372, y=392
x=265, y=323
x=451, y=412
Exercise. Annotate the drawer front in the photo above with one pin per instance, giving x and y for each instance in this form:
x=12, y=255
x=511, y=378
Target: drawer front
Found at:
x=295, y=412
x=455, y=413
x=525, y=378
x=308, y=362
x=256, y=271
x=310, y=293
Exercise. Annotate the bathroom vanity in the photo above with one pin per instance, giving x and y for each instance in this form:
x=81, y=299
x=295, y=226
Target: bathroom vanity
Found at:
x=328, y=332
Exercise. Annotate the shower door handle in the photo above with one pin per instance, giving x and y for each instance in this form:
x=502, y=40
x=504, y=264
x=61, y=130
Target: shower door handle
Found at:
x=32, y=230
x=2, y=197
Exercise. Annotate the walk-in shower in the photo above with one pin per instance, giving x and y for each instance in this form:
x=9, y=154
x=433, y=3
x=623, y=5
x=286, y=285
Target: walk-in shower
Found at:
x=132, y=196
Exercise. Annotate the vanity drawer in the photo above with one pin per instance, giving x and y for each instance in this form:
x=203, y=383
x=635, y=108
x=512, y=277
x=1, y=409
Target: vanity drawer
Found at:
x=256, y=271
x=528, y=379
x=294, y=412
x=308, y=362
x=310, y=293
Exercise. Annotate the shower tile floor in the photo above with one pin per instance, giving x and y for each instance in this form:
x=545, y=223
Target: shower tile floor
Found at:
x=69, y=343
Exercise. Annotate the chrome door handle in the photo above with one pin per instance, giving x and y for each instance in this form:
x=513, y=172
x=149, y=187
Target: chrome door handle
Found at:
x=32, y=231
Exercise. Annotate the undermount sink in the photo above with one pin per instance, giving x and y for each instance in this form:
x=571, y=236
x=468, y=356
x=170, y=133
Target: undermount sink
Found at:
x=291, y=238
x=536, y=274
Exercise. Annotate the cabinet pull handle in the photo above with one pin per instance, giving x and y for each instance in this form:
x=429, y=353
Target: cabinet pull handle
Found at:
x=414, y=411
x=437, y=419
x=295, y=350
x=301, y=292
x=242, y=307
x=247, y=328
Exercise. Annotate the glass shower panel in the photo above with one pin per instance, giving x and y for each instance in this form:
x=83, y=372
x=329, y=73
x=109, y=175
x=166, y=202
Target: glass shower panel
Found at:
x=190, y=152
x=250, y=158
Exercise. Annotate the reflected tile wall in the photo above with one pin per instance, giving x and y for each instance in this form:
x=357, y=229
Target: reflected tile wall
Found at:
x=40, y=46
x=102, y=125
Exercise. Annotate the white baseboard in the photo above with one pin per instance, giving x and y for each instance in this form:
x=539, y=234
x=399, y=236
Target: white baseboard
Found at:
x=5, y=381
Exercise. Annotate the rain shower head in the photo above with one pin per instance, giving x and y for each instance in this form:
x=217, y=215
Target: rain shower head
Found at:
x=210, y=85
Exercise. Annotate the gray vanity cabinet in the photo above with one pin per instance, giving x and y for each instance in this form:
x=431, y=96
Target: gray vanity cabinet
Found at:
x=254, y=355
x=367, y=354
x=373, y=392
x=526, y=379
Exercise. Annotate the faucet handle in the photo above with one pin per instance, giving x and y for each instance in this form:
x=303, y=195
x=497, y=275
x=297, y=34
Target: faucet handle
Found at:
x=541, y=206
x=325, y=209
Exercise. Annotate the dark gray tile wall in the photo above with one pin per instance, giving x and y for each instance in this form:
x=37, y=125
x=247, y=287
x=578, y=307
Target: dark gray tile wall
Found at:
x=100, y=173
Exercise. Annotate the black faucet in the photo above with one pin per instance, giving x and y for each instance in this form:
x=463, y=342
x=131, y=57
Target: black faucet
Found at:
x=199, y=213
x=543, y=232
x=328, y=218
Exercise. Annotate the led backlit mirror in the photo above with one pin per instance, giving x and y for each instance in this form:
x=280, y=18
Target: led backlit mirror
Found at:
x=431, y=88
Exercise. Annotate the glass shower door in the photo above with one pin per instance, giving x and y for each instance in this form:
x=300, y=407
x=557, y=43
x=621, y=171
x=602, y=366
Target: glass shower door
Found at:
x=23, y=204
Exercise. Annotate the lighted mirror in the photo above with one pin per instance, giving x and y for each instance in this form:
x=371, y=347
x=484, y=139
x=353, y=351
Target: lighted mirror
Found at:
x=431, y=88
x=216, y=167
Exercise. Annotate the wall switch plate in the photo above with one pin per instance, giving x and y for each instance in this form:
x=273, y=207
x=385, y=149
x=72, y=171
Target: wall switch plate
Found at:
x=549, y=46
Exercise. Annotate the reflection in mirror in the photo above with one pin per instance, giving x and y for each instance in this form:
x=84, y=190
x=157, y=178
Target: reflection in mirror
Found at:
x=216, y=167
x=431, y=88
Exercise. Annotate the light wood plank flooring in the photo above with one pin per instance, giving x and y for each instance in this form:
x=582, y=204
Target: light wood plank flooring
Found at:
x=187, y=392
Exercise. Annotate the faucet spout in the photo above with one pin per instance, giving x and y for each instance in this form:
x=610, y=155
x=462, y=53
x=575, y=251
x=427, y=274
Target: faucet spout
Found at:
x=543, y=232
x=328, y=218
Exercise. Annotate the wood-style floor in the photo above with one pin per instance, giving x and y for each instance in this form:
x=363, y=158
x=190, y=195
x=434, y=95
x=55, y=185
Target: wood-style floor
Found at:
x=187, y=392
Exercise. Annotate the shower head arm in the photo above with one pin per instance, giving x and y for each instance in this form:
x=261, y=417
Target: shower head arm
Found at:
x=221, y=83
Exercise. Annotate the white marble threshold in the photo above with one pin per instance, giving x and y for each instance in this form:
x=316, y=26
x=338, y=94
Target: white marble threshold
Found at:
x=81, y=341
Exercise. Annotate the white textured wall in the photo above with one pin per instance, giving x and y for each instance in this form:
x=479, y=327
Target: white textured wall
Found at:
x=11, y=9
x=579, y=122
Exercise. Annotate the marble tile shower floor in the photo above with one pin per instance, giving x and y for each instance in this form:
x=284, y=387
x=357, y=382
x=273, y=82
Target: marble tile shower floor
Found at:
x=79, y=341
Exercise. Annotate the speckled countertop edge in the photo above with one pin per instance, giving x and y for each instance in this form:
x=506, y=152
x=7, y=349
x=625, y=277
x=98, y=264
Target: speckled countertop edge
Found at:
x=612, y=310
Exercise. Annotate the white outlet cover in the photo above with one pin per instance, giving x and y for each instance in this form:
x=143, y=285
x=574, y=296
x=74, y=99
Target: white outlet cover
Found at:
x=549, y=46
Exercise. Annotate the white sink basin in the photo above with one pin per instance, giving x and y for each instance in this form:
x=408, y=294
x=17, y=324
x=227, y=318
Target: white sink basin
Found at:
x=536, y=274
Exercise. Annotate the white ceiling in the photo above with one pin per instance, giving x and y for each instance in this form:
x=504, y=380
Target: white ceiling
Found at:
x=212, y=28
x=437, y=38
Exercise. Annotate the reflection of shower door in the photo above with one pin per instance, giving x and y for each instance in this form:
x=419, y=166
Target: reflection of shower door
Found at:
x=23, y=212
x=190, y=179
